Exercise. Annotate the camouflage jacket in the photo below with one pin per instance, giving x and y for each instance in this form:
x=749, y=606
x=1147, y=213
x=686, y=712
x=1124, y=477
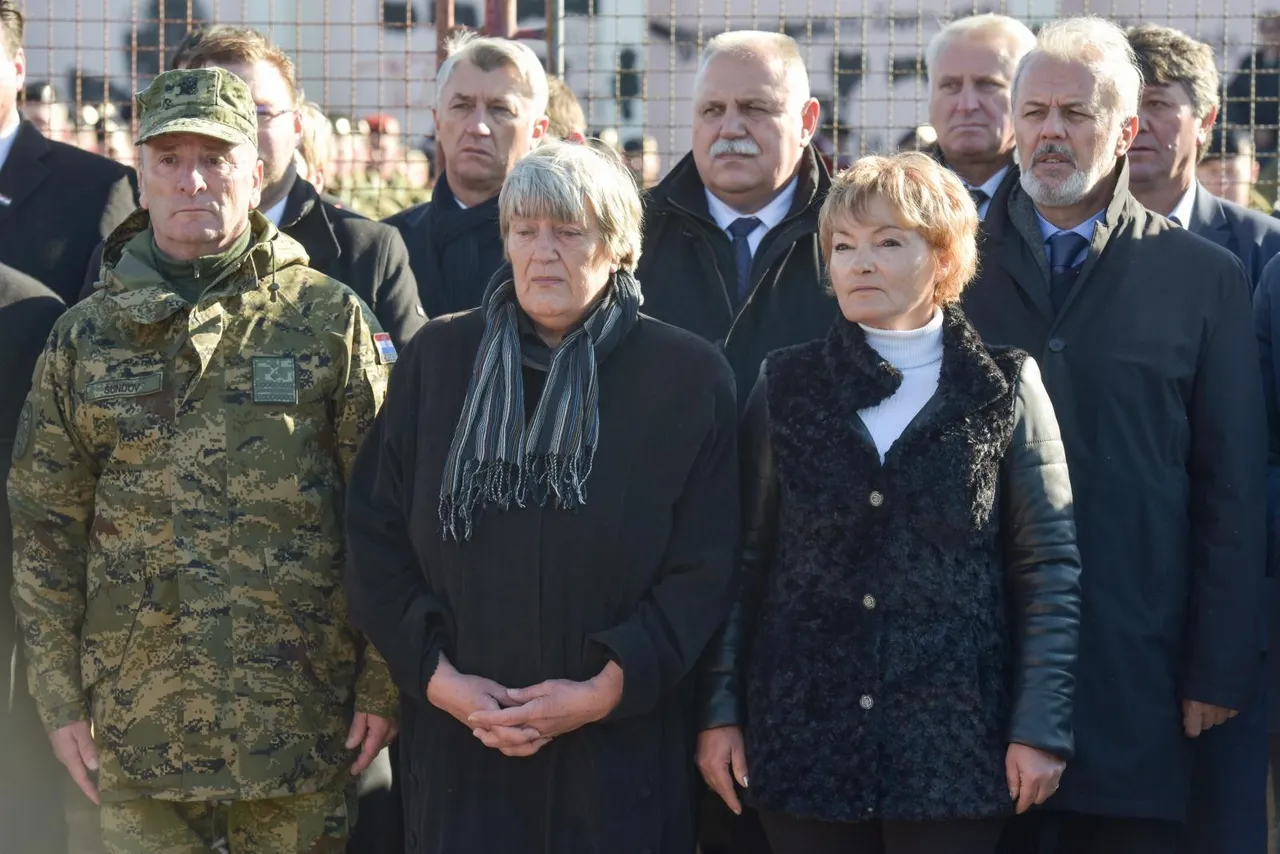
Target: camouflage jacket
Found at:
x=176, y=497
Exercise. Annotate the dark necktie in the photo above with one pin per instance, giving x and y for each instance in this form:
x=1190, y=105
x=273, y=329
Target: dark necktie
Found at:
x=740, y=229
x=1063, y=249
x=980, y=197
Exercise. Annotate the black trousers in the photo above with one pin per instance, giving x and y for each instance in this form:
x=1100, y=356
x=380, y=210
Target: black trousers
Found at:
x=790, y=835
x=1076, y=833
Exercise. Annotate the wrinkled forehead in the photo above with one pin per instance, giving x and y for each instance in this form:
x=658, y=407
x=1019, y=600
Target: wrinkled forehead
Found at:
x=978, y=55
x=741, y=75
x=502, y=82
x=1050, y=80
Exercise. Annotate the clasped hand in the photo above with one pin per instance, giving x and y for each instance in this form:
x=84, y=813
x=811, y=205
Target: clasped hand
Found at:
x=521, y=721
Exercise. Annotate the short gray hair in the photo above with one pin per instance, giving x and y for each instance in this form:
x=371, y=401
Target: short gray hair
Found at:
x=1100, y=46
x=988, y=29
x=488, y=53
x=761, y=44
x=560, y=180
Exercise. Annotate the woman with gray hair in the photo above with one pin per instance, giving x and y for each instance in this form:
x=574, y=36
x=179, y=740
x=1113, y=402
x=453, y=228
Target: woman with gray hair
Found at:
x=542, y=525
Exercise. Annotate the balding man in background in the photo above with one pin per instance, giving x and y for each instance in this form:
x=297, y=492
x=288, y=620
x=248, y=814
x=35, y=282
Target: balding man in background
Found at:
x=971, y=63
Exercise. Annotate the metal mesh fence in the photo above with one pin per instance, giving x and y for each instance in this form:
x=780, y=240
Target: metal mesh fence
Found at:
x=630, y=62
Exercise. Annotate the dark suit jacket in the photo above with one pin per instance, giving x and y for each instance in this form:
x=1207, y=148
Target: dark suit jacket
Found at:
x=61, y=203
x=1152, y=368
x=366, y=256
x=1252, y=237
x=30, y=801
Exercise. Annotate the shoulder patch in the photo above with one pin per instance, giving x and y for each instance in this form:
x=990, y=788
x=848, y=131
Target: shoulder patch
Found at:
x=386, y=350
x=22, y=438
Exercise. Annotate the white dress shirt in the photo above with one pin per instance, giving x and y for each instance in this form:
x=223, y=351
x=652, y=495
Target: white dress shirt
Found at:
x=770, y=215
x=7, y=136
x=989, y=187
x=1182, y=211
x=275, y=213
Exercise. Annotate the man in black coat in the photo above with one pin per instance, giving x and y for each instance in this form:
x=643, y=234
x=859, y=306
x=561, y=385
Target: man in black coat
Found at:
x=1176, y=119
x=56, y=201
x=1143, y=332
x=731, y=234
x=1228, y=810
x=490, y=111
x=31, y=779
x=970, y=63
x=366, y=256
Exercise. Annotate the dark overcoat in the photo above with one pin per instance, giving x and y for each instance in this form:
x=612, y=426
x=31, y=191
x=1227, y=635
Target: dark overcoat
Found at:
x=900, y=622
x=640, y=575
x=687, y=270
x=1251, y=236
x=31, y=779
x=1153, y=370
x=56, y=204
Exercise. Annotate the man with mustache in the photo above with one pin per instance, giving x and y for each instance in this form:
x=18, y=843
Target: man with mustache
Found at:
x=491, y=110
x=731, y=234
x=970, y=64
x=1143, y=334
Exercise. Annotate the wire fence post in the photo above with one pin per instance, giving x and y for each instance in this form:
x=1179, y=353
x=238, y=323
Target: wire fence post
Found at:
x=500, y=18
x=555, y=37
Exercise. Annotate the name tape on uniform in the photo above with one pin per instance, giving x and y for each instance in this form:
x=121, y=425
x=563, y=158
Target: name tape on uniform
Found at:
x=124, y=387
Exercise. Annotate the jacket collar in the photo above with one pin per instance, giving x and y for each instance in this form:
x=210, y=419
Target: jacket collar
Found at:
x=141, y=292
x=1208, y=216
x=969, y=378
x=307, y=221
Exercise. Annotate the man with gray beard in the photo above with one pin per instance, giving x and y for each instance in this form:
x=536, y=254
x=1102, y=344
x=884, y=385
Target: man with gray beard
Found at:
x=731, y=234
x=1143, y=335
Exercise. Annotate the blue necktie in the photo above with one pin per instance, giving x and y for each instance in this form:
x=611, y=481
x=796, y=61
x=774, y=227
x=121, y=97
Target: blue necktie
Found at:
x=1064, y=247
x=741, y=228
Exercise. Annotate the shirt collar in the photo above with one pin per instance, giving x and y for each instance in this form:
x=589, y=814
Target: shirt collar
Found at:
x=275, y=213
x=1084, y=229
x=991, y=184
x=8, y=135
x=770, y=215
x=1185, y=207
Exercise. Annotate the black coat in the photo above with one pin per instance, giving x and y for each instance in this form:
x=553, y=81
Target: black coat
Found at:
x=32, y=781
x=453, y=252
x=1266, y=316
x=640, y=574
x=687, y=271
x=1252, y=237
x=62, y=203
x=364, y=255
x=899, y=623
x=1152, y=367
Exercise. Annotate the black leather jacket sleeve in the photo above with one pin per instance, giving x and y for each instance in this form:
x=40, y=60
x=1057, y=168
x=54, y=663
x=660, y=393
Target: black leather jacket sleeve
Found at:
x=1042, y=571
x=722, y=695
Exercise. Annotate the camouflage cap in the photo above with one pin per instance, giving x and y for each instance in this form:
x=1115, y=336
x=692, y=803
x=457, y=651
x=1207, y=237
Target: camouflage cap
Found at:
x=208, y=101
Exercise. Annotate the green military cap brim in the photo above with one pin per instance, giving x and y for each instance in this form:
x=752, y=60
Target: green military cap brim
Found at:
x=203, y=127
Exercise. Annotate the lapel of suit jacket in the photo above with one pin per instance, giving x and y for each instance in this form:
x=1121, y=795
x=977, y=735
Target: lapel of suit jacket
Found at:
x=1210, y=222
x=1015, y=242
x=23, y=170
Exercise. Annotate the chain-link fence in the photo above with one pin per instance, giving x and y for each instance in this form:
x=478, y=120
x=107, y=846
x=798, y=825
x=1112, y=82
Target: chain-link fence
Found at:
x=370, y=64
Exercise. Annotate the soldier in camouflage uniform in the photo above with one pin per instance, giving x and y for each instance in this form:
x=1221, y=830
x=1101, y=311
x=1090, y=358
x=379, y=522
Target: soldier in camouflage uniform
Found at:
x=177, y=505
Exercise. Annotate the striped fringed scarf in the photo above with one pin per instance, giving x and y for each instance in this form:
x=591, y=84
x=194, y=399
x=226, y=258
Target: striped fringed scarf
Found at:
x=495, y=459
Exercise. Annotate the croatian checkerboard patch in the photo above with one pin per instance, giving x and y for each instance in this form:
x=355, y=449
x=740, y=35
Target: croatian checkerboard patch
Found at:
x=386, y=350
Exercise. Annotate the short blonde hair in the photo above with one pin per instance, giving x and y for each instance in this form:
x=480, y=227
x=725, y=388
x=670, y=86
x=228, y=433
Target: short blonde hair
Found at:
x=928, y=199
x=1011, y=38
x=561, y=181
x=489, y=53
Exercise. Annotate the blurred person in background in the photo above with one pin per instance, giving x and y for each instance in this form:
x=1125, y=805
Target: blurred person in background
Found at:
x=971, y=64
x=643, y=160
x=41, y=107
x=1229, y=169
x=1253, y=98
x=920, y=138
x=57, y=202
x=490, y=112
x=315, y=152
x=565, y=119
x=1176, y=115
x=417, y=173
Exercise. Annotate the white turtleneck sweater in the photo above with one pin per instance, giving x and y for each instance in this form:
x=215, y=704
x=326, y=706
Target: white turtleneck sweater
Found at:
x=917, y=353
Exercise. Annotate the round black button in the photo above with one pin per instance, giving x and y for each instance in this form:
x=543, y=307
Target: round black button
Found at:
x=1057, y=345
